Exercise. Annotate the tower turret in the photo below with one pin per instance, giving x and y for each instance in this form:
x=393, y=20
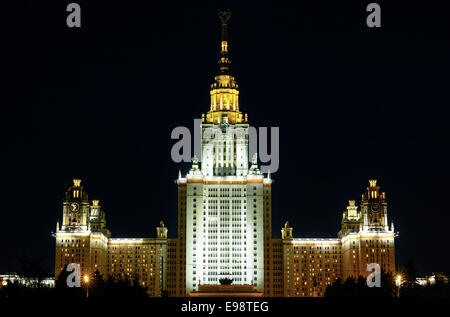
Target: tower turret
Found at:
x=374, y=208
x=97, y=219
x=161, y=231
x=351, y=220
x=75, y=208
x=286, y=232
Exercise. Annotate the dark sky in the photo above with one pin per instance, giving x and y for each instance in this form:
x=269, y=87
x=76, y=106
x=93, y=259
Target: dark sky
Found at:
x=100, y=102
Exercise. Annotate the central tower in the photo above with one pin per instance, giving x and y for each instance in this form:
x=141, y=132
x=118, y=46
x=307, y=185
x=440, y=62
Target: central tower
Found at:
x=224, y=205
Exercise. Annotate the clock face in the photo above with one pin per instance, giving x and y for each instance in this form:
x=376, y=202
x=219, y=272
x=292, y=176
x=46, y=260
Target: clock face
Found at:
x=375, y=206
x=74, y=207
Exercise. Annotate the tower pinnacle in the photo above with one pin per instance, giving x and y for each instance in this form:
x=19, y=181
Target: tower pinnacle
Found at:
x=224, y=106
x=224, y=61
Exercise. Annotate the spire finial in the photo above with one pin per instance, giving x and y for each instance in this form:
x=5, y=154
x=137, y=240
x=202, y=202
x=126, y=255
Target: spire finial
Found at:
x=224, y=16
x=224, y=62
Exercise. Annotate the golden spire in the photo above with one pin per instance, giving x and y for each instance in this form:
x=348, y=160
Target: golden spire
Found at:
x=224, y=91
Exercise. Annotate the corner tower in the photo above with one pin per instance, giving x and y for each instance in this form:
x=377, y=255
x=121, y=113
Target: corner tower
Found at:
x=73, y=239
x=374, y=208
x=365, y=235
x=75, y=208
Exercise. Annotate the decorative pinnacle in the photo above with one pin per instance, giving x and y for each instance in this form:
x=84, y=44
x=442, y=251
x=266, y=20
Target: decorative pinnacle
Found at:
x=224, y=15
x=76, y=182
x=373, y=182
x=351, y=203
x=224, y=62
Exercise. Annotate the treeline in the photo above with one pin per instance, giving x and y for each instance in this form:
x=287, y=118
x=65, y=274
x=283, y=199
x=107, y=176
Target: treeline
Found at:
x=407, y=286
x=352, y=287
x=97, y=287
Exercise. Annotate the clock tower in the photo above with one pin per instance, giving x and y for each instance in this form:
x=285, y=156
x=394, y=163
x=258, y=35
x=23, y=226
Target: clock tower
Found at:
x=374, y=208
x=73, y=239
x=76, y=208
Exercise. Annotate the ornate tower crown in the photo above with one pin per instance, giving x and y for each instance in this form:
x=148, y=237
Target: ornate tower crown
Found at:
x=352, y=210
x=76, y=192
x=224, y=93
x=373, y=189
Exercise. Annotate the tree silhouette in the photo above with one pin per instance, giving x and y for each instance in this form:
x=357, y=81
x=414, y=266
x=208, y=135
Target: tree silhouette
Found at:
x=409, y=287
x=32, y=268
x=358, y=288
x=63, y=290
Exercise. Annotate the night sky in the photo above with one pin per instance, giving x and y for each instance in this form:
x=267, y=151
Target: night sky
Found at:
x=100, y=102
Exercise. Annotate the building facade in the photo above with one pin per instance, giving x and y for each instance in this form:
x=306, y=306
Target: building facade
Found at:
x=84, y=239
x=225, y=223
x=309, y=265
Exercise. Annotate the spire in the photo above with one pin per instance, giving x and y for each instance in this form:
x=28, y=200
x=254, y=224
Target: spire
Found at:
x=224, y=61
x=224, y=92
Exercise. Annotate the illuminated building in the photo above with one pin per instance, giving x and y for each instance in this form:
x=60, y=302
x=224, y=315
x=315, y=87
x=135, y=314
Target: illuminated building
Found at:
x=225, y=223
x=26, y=281
x=84, y=239
x=309, y=265
x=224, y=205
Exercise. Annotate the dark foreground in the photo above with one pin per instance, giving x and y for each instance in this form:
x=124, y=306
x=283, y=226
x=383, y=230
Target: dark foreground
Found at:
x=229, y=306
